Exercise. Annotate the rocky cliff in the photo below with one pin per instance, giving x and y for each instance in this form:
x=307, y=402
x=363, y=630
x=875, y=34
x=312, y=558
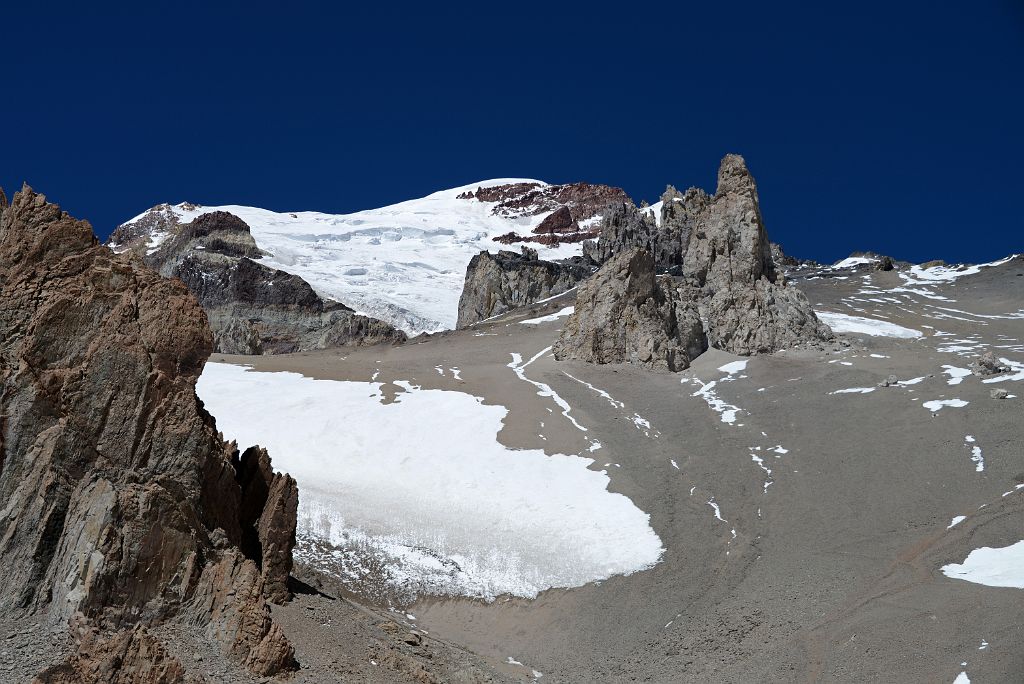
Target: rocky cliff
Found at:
x=122, y=506
x=252, y=309
x=496, y=283
x=719, y=248
x=745, y=302
x=627, y=314
x=623, y=227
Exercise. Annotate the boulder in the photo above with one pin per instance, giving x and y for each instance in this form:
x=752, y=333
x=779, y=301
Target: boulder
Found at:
x=626, y=314
x=988, y=364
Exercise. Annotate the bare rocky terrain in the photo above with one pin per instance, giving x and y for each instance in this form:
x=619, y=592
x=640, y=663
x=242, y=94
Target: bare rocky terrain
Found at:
x=834, y=570
x=809, y=445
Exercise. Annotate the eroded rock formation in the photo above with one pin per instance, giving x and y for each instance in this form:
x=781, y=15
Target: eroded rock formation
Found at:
x=624, y=227
x=679, y=212
x=252, y=309
x=121, y=503
x=627, y=314
x=719, y=248
x=496, y=283
x=745, y=302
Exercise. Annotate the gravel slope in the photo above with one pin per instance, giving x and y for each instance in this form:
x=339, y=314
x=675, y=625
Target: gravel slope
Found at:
x=832, y=571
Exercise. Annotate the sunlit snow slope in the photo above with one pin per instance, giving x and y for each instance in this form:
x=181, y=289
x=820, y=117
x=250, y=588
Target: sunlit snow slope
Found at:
x=422, y=486
x=404, y=263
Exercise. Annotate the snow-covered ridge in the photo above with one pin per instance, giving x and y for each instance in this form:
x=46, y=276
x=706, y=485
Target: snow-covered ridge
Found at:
x=404, y=263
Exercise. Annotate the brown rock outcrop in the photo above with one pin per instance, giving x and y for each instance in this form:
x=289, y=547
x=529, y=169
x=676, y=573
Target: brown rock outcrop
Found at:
x=584, y=200
x=120, y=501
x=558, y=221
x=130, y=656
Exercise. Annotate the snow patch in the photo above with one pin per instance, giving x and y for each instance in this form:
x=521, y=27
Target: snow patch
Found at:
x=850, y=262
x=993, y=567
x=937, y=404
x=422, y=485
x=844, y=323
x=567, y=311
x=956, y=375
x=734, y=367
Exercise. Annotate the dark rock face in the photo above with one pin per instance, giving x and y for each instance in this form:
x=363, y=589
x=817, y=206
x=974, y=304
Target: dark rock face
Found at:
x=783, y=260
x=626, y=314
x=558, y=221
x=217, y=232
x=624, y=227
x=254, y=309
x=679, y=212
x=268, y=531
x=885, y=263
x=135, y=235
x=496, y=283
x=121, y=502
x=126, y=657
x=746, y=305
x=550, y=239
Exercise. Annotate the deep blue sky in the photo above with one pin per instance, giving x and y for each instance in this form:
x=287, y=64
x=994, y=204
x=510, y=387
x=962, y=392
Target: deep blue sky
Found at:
x=892, y=126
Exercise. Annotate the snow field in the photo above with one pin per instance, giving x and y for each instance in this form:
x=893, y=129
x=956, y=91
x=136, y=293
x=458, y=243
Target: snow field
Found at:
x=423, y=484
x=404, y=263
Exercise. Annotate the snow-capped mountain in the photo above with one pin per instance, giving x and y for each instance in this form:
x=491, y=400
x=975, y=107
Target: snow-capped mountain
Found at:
x=405, y=263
